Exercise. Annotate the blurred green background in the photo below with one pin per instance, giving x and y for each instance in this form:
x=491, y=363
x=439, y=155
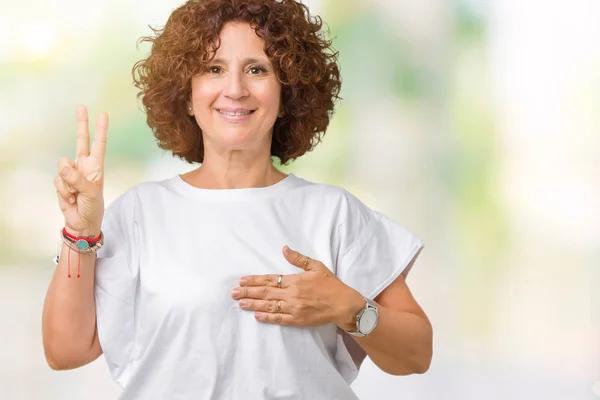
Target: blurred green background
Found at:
x=475, y=124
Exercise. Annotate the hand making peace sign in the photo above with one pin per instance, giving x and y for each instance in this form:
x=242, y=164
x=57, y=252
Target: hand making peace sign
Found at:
x=79, y=184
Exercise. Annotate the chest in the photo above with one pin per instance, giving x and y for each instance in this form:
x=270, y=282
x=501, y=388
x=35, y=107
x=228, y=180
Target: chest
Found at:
x=190, y=260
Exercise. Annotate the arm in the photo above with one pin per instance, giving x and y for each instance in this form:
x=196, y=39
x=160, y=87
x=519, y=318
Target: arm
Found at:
x=401, y=344
x=69, y=315
x=69, y=331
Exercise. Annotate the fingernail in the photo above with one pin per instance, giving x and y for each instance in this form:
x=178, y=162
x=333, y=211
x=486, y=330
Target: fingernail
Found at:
x=243, y=303
x=66, y=171
x=235, y=293
x=71, y=200
x=243, y=282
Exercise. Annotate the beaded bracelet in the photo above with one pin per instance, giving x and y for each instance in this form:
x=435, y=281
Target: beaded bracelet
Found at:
x=80, y=244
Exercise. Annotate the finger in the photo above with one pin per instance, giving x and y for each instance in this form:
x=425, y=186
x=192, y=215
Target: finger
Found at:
x=298, y=260
x=99, y=145
x=63, y=188
x=65, y=162
x=266, y=280
x=269, y=306
x=62, y=203
x=83, y=134
x=73, y=178
x=63, y=191
x=259, y=292
x=279, y=319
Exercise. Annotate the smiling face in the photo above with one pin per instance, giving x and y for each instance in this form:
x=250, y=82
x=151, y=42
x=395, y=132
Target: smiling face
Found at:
x=237, y=99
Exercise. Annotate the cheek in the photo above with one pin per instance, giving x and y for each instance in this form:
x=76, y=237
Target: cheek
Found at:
x=204, y=94
x=269, y=96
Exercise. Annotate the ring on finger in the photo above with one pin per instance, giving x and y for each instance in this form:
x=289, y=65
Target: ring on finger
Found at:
x=278, y=307
x=306, y=261
x=279, y=279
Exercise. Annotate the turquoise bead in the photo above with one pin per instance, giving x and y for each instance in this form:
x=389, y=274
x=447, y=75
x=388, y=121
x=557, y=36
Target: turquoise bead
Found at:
x=82, y=244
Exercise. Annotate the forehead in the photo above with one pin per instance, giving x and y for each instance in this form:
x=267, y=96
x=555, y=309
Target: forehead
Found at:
x=239, y=40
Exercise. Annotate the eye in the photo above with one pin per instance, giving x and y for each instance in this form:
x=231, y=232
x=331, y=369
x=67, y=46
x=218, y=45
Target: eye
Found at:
x=256, y=70
x=214, y=69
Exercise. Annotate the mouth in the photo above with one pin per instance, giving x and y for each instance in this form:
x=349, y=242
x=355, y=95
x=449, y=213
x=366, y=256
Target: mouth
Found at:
x=235, y=113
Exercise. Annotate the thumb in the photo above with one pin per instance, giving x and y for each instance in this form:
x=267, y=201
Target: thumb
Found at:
x=75, y=180
x=299, y=260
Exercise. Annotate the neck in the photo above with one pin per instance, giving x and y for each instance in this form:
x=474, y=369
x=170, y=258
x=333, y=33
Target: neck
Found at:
x=234, y=174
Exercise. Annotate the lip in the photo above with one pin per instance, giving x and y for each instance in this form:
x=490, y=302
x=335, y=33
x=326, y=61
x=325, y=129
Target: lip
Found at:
x=235, y=117
x=233, y=109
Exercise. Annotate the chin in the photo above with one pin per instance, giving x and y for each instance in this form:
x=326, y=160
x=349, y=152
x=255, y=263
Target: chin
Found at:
x=237, y=140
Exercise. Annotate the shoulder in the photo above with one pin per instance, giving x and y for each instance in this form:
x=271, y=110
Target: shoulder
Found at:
x=150, y=189
x=125, y=206
x=142, y=192
x=323, y=190
x=339, y=201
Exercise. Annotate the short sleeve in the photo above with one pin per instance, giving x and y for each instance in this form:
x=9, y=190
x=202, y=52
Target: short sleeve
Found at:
x=373, y=250
x=377, y=250
x=115, y=284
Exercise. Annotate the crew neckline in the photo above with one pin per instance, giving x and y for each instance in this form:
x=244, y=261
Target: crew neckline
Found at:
x=182, y=187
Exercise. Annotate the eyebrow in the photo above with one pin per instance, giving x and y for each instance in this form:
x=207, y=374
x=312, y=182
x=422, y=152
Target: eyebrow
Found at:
x=250, y=60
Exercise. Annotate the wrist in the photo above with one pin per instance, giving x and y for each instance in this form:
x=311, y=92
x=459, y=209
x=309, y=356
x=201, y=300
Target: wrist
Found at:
x=87, y=233
x=352, y=304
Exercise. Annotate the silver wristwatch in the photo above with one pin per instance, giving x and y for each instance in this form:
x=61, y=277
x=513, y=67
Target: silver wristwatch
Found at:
x=366, y=320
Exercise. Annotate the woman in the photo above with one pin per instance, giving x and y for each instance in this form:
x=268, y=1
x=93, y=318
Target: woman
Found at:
x=181, y=283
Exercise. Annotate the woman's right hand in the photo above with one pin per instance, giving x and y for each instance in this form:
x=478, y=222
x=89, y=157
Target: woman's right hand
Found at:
x=80, y=183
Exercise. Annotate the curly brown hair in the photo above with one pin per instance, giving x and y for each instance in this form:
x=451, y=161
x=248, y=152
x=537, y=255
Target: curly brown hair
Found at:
x=304, y=62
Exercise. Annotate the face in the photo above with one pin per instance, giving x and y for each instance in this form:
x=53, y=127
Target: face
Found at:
x=237, y=100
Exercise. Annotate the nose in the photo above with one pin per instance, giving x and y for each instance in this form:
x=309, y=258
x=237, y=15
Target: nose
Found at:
x=235, y=87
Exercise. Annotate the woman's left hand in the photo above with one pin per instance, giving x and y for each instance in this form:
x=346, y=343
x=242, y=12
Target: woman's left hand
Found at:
x=311, y=298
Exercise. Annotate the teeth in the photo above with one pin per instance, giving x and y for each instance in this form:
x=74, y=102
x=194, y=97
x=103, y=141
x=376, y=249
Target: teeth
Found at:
x=235, y=113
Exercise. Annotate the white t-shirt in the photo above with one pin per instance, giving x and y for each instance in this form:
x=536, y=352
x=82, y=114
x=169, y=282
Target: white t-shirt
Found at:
x=167, y=323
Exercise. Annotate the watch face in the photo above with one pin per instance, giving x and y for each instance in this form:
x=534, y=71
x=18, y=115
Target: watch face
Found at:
x=368, y=321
